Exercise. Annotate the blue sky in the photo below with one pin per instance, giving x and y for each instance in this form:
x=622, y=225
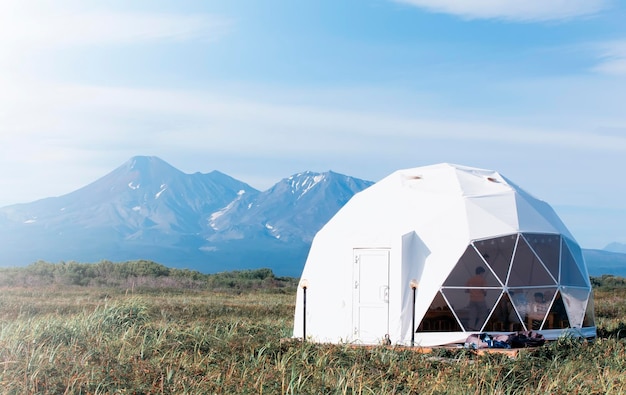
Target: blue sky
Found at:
x=262, y=90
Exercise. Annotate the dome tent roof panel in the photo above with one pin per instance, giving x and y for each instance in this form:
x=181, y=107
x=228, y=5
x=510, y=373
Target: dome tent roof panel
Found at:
x=536, y=216
x=478, y=182
x=450, y=179
x=491, y=215
x=535, y=212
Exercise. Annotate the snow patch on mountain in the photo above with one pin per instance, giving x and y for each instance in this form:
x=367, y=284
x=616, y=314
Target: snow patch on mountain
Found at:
x=163, y=189
x=272, y=230
x=302, y=183
x=131, y=185
x=214, y=216
x=310, y=183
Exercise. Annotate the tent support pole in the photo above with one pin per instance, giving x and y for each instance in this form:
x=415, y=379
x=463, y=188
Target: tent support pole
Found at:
x=304, y=284
x=304, y=316
x=413, y=285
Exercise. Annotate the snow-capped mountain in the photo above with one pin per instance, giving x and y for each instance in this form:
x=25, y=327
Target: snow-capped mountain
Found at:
x=144, y=194
x=147, y=209
x=292, y=210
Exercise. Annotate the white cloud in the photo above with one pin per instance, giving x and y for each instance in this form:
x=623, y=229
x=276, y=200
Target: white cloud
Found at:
x=56, y=138
x=612, y=58
x=25, y=25
x=93, y=116
x=514, y=10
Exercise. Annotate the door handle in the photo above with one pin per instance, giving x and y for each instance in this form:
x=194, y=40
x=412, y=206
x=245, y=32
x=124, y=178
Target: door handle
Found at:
x=384, y=293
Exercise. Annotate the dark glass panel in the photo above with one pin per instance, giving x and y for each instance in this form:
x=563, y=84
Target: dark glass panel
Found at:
x=526, y=269
x=504, y=317
x=570, y=270
x=466, y=271
x=439, y=318
x=589, y=320
x=498, y=253
x=532, y=304
x=469, y=307
x=547, y=247
x=557, y=317
x=575, y=300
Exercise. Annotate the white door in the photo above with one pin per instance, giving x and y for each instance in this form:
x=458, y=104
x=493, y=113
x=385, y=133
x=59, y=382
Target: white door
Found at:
x=371, y=295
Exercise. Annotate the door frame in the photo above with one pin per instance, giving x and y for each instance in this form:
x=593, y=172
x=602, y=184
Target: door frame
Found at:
x=376, y=301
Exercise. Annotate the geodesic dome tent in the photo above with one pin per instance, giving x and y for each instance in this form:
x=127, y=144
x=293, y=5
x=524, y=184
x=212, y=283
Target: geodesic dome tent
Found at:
x=431, y=254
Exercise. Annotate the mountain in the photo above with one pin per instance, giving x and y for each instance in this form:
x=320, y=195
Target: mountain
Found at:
x=601, y=262
x=143, y=196
x=147, y=209
x=610, y=260
x=292, y=210
x=616, y=247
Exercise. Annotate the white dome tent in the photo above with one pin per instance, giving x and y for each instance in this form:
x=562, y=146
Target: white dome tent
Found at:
x=486, y=257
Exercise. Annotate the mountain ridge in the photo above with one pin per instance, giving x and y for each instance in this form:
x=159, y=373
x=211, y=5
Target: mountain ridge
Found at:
x=615, y=247
x=148, y=209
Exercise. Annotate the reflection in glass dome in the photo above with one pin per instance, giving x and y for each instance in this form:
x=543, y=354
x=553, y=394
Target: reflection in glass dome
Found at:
x=521, y=281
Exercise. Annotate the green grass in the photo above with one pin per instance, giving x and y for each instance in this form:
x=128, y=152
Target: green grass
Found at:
x=63, y=339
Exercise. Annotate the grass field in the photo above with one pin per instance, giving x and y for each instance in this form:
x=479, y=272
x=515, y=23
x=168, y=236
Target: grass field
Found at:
x=69, y=339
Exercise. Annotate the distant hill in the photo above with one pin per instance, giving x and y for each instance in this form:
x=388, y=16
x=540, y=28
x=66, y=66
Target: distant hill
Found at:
x=601, y=262
x=148, y=210
x=616, y=247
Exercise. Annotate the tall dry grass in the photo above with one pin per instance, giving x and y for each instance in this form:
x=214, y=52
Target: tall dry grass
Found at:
x=83, y=340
